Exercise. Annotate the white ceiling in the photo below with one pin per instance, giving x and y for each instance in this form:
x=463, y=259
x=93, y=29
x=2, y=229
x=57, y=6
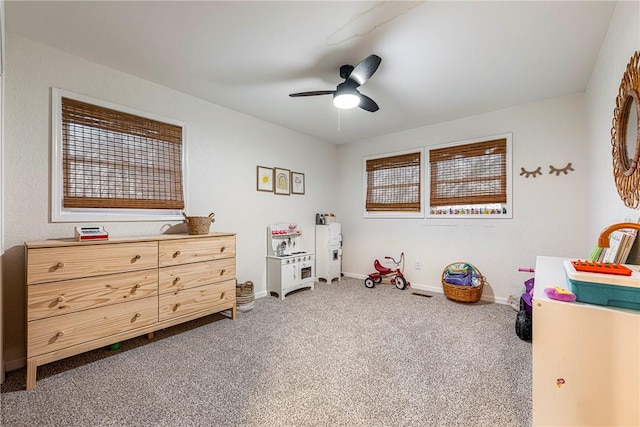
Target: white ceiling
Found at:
x=441, y=60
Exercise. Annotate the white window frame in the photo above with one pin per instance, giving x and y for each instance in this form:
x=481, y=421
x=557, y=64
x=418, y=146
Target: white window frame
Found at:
x=61, y=214
x=399, y=214
x=509, y=173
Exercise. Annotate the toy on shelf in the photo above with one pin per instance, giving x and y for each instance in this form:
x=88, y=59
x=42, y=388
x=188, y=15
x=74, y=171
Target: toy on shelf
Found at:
x=602, y=267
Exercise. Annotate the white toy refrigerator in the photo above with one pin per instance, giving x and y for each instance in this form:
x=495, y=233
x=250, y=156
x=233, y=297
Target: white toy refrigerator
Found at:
x=328, y=251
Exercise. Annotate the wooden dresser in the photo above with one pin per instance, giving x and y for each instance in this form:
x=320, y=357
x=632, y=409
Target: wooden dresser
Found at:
x=85, y=295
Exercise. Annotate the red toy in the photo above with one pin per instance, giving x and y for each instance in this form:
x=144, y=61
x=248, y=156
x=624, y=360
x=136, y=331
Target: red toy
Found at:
x=398, y=278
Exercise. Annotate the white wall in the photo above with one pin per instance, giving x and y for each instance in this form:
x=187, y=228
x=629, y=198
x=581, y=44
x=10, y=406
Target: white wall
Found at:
x=623, y=38
x=549, y=211
x=224, y=148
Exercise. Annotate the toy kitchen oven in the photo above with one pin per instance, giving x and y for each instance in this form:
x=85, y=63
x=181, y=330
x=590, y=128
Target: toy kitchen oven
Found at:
x=289, y=267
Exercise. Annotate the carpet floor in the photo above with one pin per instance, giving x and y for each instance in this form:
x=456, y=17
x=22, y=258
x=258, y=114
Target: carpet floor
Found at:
x=340, y=355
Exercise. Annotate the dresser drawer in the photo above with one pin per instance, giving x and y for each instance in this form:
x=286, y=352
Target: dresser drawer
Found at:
x=187, y=276
x=175, y=252
x=55, y=333
x=72, y=262
x=57, y=298
x=180, y=303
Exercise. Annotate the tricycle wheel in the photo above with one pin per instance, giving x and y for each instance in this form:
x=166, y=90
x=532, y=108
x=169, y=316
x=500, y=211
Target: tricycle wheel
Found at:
x=369, y=283
x=524, y=325
x=400, y=282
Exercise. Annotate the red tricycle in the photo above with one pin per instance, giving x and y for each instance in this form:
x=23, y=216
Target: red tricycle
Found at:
x=398, y=278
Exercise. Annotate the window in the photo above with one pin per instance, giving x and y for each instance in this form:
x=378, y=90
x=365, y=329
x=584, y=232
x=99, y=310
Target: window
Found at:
x=471, y=179
x=393, y=185
x=466, y=179
x=112, y=163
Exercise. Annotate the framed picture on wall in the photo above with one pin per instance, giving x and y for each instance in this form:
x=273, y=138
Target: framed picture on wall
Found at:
x=281, y=181
x=297, y=183
x=264, y=178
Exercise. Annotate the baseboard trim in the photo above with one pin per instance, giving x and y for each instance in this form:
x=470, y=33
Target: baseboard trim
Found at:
x=435, y=289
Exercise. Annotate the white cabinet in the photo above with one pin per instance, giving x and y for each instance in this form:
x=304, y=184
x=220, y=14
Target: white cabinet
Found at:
x=586, y=358
x=289, y=276
x=328, y=251
x=286, y=274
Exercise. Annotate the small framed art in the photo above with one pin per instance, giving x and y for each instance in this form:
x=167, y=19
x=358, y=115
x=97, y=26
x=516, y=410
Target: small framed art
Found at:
x=281, y=180
x=297, y=183
x=264, y=177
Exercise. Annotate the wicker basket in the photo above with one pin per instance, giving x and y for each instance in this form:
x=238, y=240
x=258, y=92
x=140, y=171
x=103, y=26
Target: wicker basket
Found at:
x=463, y=293
x=244, y=293
x=198, y=224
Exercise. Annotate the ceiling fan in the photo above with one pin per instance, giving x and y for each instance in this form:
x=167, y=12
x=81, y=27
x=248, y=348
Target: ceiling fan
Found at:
x=346, y=94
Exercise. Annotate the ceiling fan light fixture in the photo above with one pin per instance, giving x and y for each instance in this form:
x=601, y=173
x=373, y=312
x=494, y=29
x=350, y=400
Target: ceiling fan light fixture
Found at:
x=346, y=95
x=346, y=101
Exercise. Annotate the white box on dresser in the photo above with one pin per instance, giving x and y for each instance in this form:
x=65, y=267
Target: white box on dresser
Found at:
x=85, y=295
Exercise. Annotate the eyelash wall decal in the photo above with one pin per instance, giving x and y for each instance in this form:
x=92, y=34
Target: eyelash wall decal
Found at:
x=557, y=171
x=527, y=173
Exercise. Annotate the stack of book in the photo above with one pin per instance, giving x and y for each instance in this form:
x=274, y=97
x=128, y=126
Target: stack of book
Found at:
x=620, y=243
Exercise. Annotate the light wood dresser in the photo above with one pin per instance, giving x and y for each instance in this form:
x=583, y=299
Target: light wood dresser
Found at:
x=84, y=295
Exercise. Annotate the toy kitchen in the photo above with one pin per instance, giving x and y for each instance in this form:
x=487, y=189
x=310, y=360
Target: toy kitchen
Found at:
x=289, y=266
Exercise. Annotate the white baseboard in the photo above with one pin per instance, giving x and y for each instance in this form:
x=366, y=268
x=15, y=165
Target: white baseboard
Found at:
x=434, y=289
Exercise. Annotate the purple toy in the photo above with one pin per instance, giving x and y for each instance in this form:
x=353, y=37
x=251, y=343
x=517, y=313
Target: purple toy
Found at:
x=559, y=294
x=524, y=319
x=527, y=296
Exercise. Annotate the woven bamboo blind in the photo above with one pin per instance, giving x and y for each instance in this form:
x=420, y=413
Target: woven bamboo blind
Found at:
x=113, y=159
x=469, y=174
x=393, y=183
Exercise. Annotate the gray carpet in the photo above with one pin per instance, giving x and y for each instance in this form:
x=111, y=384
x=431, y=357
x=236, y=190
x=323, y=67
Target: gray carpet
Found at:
x=341, y=355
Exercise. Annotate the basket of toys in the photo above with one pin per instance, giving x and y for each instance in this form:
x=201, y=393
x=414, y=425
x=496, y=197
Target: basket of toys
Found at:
x=462, y=282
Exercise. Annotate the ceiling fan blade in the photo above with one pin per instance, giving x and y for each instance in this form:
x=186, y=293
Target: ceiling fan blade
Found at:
x=314, y=93
x=365, y=69
x=368, y=104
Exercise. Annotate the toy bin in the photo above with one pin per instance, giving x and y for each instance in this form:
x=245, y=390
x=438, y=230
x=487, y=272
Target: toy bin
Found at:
x=462, y=282
x=604, y=289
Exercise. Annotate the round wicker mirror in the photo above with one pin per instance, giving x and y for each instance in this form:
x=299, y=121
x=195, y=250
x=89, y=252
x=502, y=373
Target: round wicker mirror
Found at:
x=625, y=135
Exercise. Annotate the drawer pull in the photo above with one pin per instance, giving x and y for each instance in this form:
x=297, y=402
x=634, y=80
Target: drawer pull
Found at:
x=175, y=307
x=176, y=253
x=222, y=295
x=176, y=280
x=222, y=272
x=223, y=248
x=60, y=334
x=135, y=258
x=137, y=315
x=60, y=298
x=135, y=288
x=57, y=266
